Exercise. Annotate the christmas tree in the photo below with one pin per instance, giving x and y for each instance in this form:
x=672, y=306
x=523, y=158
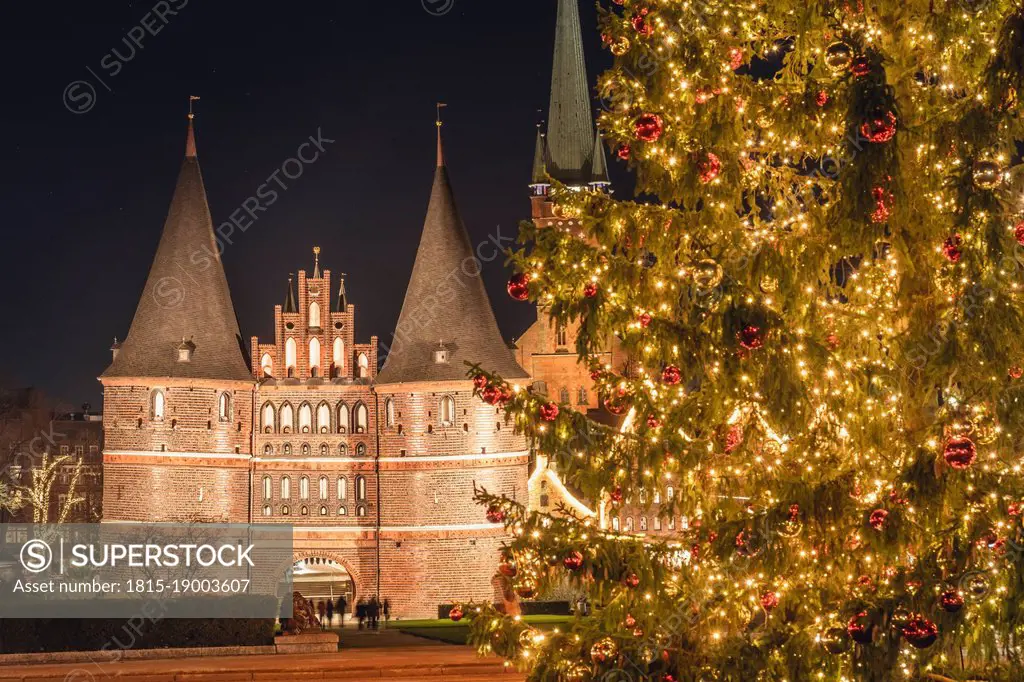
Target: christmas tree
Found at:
x=819, y=285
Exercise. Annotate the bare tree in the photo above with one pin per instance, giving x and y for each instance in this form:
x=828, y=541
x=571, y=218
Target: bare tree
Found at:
x=38, y=492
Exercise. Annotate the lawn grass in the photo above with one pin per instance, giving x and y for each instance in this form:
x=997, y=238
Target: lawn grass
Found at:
x=447, y=630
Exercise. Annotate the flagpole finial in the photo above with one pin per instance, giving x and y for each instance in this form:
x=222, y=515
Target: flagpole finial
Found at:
x=438, y=122
x=190, y=140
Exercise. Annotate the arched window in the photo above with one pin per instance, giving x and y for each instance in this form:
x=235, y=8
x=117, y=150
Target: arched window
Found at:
x=615, y=523
x=287, y=448
x=563, y=395
x=342, y=418
x=322, y=487
x=287, y=418
x=267, y=419
x=267, y=365
x=323, y=418
x=224, y=407
x=671, y=523
x=305, y=449
x=581, y=396
x=364, y=365
x=325, y=449
x=629, y=524
x=304, y=488
x=361, y=510
x=360, y=488
x=342, y=511
x=290, y=355
x=362, y=418
x=561, y=337
x=267, y=510
x=268, y=449
x=305, y=418
x=338, y=356
x=342, y=487
x=158, y=405
x=657, y=496
x=447, y=410
x=314, y=357
x=643, y=523
x=360, y=449
x=286, y=510
x=286, y=488
x=343, y=450
x=304, y=511
x=670, y=493
x=314, y=314
x=268, y=488
x=389, y=413
x=323, y=511
x=657, y=523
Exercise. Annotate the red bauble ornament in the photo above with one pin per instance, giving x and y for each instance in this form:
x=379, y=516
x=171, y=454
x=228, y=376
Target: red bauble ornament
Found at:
x=573, y=561
x=735, y=58
x=645, y=320
x=630, y=621
x=950, y=601
x=508, y=569
x=490, y=395
x=733, y=438
x=631, y=580
x=951, y=248
x=751, y=337
x=548, y=412
x=920, y=632
x=832, y=340
x=640, y=24
x=617, y=402
x=653, y=422
x=624, y=152
x=495, y=514
x=518, y=286
x=526, y=591
x=860, y=66
x=878, y=519
x=480, y=381
x=1013, y=509
x=822, y=98
x=616, y=494
x=860, y=628
x=769, y=600
x=1016, y=372
x=1018, y=233
x=455, y=614
x=648, y=127
x=959, y=452
x=880, y=129
x=671, y=375
x=708, y=168
x=590, y=289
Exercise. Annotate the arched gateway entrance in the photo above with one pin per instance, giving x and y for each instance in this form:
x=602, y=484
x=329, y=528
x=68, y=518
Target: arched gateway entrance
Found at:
x=320, y=580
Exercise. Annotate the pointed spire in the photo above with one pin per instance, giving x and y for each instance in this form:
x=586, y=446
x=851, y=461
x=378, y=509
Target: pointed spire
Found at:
x=184, y=297
x=570, y=125
x=190, y=137
x=440, y=149
x=539, y=175
x=342, y=304
x=316, y=262
x=289, y=302
x=599, y=167
x=465, y=321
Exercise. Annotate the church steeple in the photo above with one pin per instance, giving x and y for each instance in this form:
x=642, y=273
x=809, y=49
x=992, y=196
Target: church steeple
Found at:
x=570, y=135
x=342, y=304
x=539, y=175
x=186, y=295
x=462, y=318
x=289, y=299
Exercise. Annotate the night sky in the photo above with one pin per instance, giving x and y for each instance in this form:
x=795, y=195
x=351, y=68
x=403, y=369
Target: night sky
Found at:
x=84, y=195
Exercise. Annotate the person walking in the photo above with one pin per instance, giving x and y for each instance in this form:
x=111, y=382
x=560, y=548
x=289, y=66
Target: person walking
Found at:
x=387, y=611
x=361, y=611
x=330, y=613
x=342, y=605
x=374, y=612
x=321, y=609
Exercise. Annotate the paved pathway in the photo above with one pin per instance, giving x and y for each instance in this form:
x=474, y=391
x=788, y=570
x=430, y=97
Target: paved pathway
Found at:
x=420, y=661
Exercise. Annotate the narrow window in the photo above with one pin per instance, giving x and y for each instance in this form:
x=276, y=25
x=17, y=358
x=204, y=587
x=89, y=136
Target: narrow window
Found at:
x=268, y=488
x=364, y=365
x=314, y=357
x=314, y=314
x=268, y=449
x=323, y=511
x=615, y=523
x=643, y=523
x=286, y=488
x=158, y=405
x=290, y=355
x=342, y=418
x=389, y=413
x=361, y=510
x=360, y=488
x=360, y=449
x=343, y=450
x=657, y=523
x=563, y=395
x=447, y=411
x=287, y=418
x=581, y=396
x=362, y=418
x=267, y=364
x=670, y=493
x=305, y=418
x=267, y=421
x=304, y=488
x=342, y=511
x=224, y=407
x=561, y=337
x=323, y=487
x=629, y=524
x=267, y=511
x=342, y=487
x=323, y=418
x=339, y=356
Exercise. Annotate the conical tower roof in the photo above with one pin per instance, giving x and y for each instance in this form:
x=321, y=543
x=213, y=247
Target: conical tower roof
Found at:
x=539, y=174
x=186, y=299
x=446, y=305
x=570, y=138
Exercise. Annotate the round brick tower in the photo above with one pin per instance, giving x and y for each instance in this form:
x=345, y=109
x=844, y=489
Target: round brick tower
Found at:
x=438, y=441
x=177, y=398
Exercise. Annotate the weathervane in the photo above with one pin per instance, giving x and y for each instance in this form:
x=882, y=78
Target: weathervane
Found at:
x=191, y=98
